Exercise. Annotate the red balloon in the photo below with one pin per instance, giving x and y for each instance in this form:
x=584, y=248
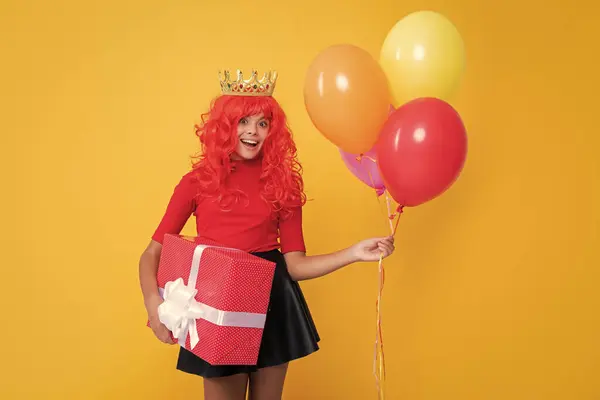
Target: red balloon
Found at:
x=421, y=150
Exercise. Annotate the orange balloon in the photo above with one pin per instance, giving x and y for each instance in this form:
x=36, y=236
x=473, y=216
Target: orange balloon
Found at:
x=347, y=97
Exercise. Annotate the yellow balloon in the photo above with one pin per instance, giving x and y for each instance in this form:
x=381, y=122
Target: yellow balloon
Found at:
x=423, y=55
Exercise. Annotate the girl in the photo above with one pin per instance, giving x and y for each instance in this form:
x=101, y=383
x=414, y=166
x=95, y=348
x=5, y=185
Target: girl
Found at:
x=246, y=191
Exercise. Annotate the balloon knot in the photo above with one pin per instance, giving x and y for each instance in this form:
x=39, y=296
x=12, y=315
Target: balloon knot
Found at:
x=399, y=211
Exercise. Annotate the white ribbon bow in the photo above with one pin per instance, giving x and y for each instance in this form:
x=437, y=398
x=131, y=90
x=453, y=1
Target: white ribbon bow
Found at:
x=180, y=310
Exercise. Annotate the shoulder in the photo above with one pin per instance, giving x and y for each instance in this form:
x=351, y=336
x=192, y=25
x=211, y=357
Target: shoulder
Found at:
x=190, y=178
x=188, y=184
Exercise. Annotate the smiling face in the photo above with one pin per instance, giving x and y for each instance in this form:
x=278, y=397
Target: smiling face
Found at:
x=252, y=132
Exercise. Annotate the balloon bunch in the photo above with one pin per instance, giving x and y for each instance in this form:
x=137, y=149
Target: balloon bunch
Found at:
x=390, y=118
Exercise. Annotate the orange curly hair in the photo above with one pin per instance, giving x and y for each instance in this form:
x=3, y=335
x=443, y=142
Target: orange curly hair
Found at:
x=283, y=187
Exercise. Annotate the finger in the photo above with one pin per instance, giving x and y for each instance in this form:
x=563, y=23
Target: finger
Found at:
x=167, y=338
x=385, y=244
x=387, y=247
x=380, y=239
x=163, y=334
x=389, y=240
x=382, y=253
x=386, y=250
x=160, y=336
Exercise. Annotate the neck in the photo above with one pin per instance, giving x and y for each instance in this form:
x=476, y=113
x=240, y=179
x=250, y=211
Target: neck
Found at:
x=236, y=159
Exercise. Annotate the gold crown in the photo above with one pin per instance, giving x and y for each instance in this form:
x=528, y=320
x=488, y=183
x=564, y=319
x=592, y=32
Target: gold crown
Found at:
x=249, y=87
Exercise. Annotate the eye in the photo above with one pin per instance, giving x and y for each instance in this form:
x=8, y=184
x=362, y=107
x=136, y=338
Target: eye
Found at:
x=264, y=124
x=243, y=121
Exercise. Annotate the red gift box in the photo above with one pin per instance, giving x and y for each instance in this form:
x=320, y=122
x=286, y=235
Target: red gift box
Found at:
x=215, y=299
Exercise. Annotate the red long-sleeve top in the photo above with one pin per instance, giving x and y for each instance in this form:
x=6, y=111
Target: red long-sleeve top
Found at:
x=247, y=225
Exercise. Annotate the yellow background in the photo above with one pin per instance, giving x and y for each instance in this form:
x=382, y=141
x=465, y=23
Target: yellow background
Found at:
x=491, y=294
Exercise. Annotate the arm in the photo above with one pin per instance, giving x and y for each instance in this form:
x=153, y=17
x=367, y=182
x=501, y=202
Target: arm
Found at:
x=302, y=267
x=180, y=207
x=148, y=266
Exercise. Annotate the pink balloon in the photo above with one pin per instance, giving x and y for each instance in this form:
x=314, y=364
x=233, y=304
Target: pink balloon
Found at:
x=366, y=169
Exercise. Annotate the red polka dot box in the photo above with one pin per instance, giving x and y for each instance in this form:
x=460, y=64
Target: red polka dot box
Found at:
x=215, y=299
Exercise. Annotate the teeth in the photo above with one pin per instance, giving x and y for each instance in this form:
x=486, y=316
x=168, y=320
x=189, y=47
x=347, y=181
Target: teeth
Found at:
x=249, y=141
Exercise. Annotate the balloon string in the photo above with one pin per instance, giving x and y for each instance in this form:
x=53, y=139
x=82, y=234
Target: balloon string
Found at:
x=379, y=356
x=398, y=213
x=377, y=195
x=360, y=157
x=391, y=215
x=389, y=211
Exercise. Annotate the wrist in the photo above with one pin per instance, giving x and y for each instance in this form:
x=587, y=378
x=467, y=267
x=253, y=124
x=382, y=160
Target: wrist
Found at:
x=352, y=255
x=152, y=301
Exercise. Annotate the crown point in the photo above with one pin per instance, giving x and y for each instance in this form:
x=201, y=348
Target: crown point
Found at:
x=248, y=87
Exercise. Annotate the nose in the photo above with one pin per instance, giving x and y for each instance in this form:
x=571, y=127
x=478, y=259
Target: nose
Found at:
x=252, y=128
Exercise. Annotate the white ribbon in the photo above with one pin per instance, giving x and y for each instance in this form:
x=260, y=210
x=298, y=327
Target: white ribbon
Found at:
x=180, y=311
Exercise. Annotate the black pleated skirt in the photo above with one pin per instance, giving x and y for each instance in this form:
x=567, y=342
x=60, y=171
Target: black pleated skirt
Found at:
x=289, y=332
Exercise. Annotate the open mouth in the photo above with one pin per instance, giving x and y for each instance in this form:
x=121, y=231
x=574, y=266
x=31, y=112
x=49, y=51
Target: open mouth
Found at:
x=249, y=143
